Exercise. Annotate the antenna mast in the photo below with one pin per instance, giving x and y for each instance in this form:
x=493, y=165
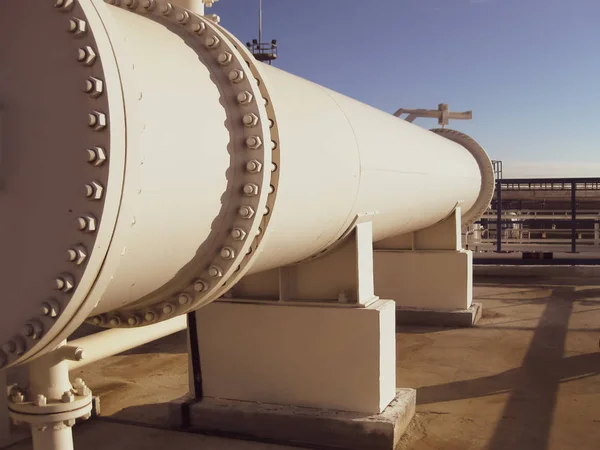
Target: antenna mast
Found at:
x=262, y=51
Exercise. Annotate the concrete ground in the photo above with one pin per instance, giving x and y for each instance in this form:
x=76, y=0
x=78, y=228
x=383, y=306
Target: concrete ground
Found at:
x=526, y=378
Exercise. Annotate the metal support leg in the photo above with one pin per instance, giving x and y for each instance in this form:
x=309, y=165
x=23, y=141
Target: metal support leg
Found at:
x=573, y=218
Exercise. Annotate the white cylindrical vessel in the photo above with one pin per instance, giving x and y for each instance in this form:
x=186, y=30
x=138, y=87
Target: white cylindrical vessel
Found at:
x=149, y=162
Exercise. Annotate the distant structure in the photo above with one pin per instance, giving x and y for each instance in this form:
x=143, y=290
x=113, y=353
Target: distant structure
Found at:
x=443, y=114
x=263, y=51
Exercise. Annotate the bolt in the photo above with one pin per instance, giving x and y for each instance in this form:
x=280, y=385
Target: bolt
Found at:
x=254, y=142
x=97, y=320
x=150, y=316
x=64, y=283
x=86, y=55
x=94, y=87
x=244, y=97
x=17, y=397
x=168, y=309
x=250, y=120
x=212, y=42
x=224, y=58
x=64, y=5
x=251, y=189
x=51, y=308
x=184, y=299
x=40, y=400
x=87, y=223
x=69, y=422
x=97, y=120
x=236, y=76
x=198, y=28
x=114, y=321
x=94, y=190
x=227, y=253
x=96, y=156
x=79, y=354
x=254, y=166
x=183, y=17
x=133, y=321
x=149, y=4
x=213, y=17
x=246, y=212
x=78, y=254
x=77, y=27
x=131, y=4
x=86, y=416
x=34, y=329
x=200, y=286
x=81, y=388
x=215, y=271
x=238, y=234
x=166, y=9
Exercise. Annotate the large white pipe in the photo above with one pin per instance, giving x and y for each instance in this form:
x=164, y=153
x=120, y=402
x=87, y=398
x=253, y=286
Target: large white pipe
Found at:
x=159, y=163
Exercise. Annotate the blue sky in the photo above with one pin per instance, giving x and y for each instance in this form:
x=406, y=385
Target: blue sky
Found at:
x=529, y=69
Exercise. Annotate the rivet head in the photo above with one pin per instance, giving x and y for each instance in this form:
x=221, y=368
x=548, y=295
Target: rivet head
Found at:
x=227, y=253
x=251, y=189
x=64, y=5
x=250, y=120
x=236, y=76
x=64, y=283
x=215, y=271
x=212, y=42
x=96, y=156
x=198, y=28
x=254, y=166
x=253, y=142
x=184, y=299
x=244, y=97
x=200, y=286
x=183, y=17
x=224, y=58
x=168, y=309
x=238, y=234
x=86, y=55
x=166, y=9
x=87, y=223
x=94, y=87
x=247, y=212
x=97, y=120
x=94, y=190
x=77, y=27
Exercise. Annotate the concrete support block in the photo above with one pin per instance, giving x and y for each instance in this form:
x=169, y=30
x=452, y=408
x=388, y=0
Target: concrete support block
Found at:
x=334, y=358
x=439, y=280
x=307, y=427
x=455, y=318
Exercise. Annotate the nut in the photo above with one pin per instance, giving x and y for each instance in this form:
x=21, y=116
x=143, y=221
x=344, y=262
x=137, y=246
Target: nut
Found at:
x=213, y=17
x=131, y=4
x=198, y=28
x=247, y=212
x=166, y=9
x=64, y=283
x=212, y=42
x=77, y=254
x=224, y=58
x=86, y=55
x=251, y=189
x=40, y=400
x=64, y=5
x=183, y=17
x=244, y=97
x=168, y=309
x=51, y=308
x=133, y=320
x=114, y=321
x=238, y=234
x=97, y=120
x=96, y=156
x=77, y=27
x=67, y=397
x=86, y=416
x=69, y=422
x=227, y=253
x=149, y=4
x=17, y=397
x=150, y=316
x=33, y=329
x=184, y=299
x=250, y=120
x=94, y=190
x=254, y=166
x=94, y=87
x=254, y=142
x=87, y=223
x=200, y=286
x=215, y=271
x=236, y=76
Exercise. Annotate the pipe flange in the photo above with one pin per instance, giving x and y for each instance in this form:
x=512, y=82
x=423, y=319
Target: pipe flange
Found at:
x=486, y=192
x=82, y=167
x=51, y=406
x=252, y=125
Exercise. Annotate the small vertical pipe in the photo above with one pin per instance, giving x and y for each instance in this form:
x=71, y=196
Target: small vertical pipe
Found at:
x=259, y=22
x=573, y=217
x=498, y=216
